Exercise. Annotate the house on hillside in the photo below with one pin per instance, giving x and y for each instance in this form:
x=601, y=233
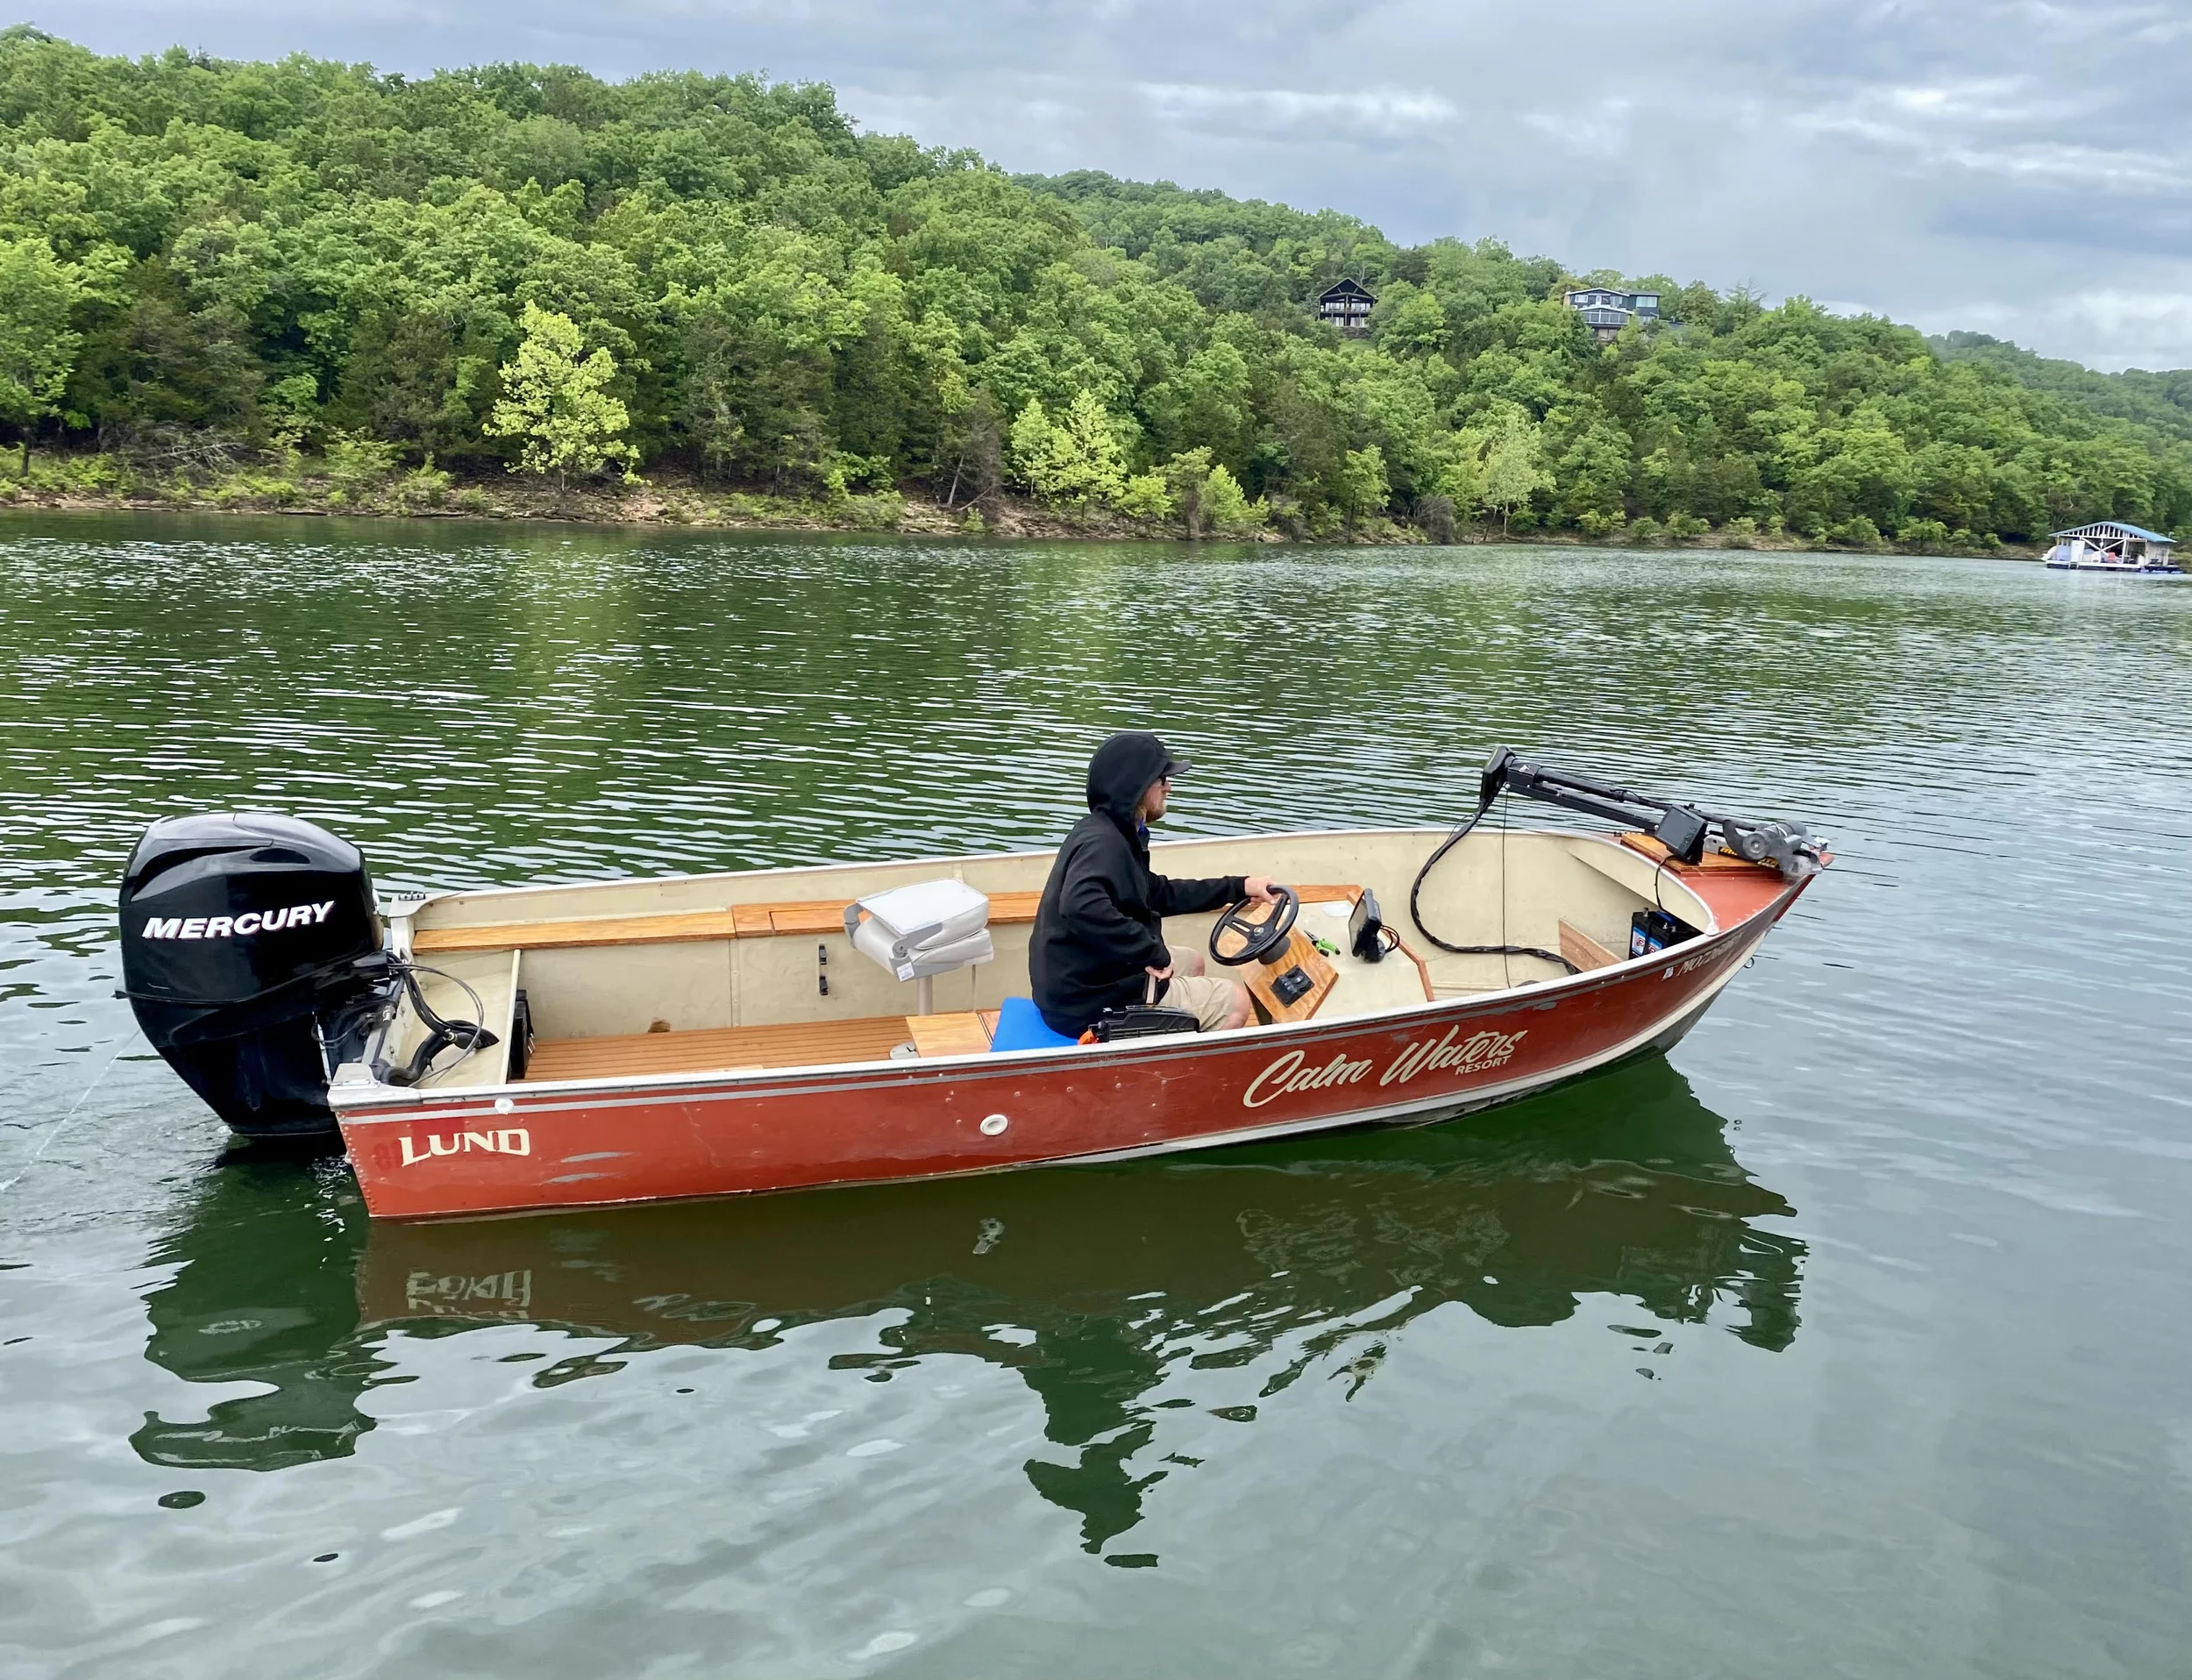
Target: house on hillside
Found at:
x=1606, y=311
x=1347, y=306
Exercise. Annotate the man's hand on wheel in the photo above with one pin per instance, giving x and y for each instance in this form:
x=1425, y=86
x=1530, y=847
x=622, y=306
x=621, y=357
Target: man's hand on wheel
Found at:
x=1259, y=888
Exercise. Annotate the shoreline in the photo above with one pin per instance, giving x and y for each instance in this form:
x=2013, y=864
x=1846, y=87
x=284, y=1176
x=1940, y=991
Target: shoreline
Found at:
x=672, y=505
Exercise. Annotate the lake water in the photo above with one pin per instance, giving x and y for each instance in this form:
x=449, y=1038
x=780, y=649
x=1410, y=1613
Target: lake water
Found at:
x=1853, y=1340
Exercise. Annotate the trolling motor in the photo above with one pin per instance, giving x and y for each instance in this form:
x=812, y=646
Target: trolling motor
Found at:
x=1681, y=829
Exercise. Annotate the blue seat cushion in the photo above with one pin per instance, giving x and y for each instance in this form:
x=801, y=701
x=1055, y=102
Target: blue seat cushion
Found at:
x=1020, y=1026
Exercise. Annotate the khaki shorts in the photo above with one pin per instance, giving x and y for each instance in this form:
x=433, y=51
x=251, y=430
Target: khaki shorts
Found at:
x=1211, y=1000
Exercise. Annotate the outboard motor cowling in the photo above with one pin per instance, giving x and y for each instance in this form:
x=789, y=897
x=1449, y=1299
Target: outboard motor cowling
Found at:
x=252, y=953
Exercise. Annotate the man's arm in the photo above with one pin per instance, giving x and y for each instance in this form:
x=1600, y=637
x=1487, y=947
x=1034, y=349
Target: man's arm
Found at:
x=1096, y=923
x=1169, y=897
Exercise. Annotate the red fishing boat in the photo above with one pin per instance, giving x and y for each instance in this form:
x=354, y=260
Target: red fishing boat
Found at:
x=697, y=1036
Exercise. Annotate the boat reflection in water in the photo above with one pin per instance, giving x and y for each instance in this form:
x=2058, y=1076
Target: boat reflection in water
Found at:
x=1621, y=1185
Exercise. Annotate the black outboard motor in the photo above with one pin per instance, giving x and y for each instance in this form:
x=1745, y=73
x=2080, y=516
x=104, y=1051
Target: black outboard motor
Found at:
x=252, y=951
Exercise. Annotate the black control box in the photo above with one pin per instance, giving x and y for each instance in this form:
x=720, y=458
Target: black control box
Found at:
x=1291, y=987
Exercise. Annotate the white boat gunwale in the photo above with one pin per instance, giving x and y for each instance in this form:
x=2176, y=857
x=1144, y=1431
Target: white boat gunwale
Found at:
x=412, y=906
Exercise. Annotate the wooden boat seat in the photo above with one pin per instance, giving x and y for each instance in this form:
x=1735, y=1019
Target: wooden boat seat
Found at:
x=709, y=1050
x=808, y=916
x=1583, y=950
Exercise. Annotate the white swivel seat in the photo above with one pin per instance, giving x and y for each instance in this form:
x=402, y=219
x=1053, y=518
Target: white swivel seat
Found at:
x=920, y=931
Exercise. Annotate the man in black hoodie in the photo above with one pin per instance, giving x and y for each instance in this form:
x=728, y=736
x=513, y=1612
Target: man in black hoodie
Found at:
x=1099, y=939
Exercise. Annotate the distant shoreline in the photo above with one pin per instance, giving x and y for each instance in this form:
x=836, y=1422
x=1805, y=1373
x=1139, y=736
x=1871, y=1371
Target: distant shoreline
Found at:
x=683, y=506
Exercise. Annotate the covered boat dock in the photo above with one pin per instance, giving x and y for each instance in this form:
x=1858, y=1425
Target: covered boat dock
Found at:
x=2111, y=546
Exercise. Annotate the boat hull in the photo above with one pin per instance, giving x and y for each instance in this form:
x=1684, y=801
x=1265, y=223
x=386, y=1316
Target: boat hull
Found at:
x=2119, y=571
x=540, y=1146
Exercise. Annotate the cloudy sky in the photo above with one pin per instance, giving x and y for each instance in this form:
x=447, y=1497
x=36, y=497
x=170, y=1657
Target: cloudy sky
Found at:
x=2021, y=168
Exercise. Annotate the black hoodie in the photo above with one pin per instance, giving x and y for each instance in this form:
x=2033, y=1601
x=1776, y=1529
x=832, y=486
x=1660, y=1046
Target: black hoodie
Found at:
x=1102, y=921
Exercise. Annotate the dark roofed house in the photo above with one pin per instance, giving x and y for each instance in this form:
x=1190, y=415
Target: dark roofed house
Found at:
x=1347, y=306
x=1606, y=311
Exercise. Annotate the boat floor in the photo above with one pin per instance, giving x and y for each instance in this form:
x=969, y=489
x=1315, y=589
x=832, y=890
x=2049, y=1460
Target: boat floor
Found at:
x=710, y=1050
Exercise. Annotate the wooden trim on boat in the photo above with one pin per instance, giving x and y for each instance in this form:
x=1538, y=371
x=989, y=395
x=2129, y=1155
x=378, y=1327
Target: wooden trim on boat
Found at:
x=1262, y=979
x=741, y=1050
x=1583, y=950
x=961, y=1033
x=564, y=936
x=740, y=922
x=1713, y=863
x=710, y=1050
x=809, y=916
x=1423, y=969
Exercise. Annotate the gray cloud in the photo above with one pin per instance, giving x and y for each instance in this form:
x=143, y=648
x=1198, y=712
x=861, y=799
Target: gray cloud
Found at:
x=2020, y=168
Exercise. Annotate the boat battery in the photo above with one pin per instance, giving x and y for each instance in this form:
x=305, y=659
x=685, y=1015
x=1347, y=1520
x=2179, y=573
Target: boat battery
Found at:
x=1651, y=931
x=521, y=1034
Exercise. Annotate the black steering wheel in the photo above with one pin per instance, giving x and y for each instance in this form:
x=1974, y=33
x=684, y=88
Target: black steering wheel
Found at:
x=1259, y=938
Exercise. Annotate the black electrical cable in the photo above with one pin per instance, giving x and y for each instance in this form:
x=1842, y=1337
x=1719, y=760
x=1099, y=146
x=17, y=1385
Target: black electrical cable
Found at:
x=1415, y=895
x=468, y=1036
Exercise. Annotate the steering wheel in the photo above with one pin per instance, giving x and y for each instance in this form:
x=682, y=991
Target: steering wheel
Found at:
x=1255, y=937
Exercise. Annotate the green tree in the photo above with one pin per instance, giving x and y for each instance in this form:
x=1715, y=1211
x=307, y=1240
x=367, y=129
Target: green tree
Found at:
x=1227, y=507
x=1187, y=479
x=1035, y=448
x=1208, y=404
x=1414, y=324
x=1592, y=475
x=1461, y=478
x=1074, y=461
x=420, y=373
x=1513, y=469
x=357, y=466
x=1145, y=496
x=37, y=348
x=1364, y=488
x=154, y=374
x=1208, y=498
x=558, y=405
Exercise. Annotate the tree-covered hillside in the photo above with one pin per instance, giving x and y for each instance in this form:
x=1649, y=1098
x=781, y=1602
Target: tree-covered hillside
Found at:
x=2162, y=401
x=205, y=263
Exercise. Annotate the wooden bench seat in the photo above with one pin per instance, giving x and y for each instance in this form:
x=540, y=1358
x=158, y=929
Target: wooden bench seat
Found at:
x=810, y=1043
x=809, y=916
x=1583, y=950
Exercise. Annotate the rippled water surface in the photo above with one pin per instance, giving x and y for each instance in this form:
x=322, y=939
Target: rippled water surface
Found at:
x=1852, y=1340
